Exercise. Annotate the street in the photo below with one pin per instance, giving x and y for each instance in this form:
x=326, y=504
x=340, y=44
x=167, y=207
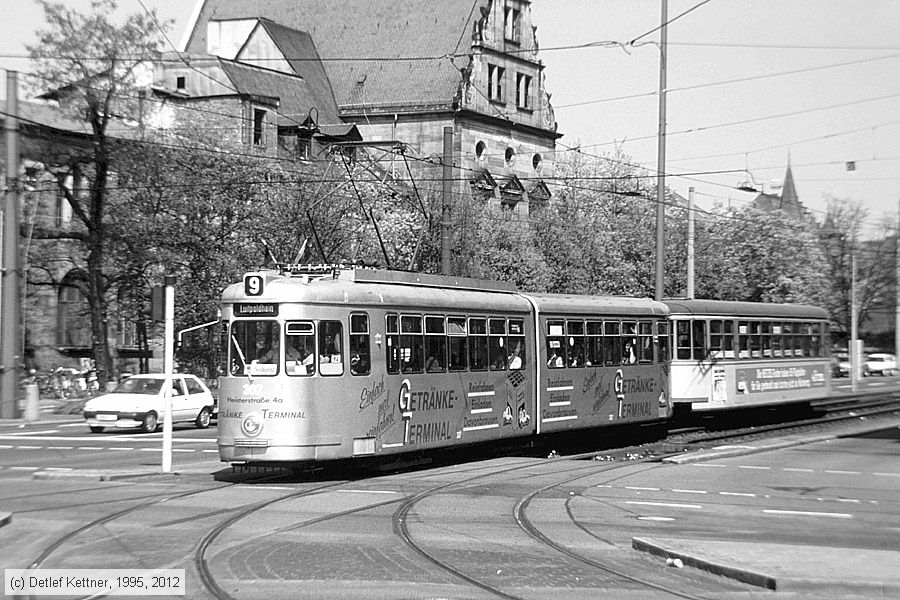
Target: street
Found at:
x=820, y=518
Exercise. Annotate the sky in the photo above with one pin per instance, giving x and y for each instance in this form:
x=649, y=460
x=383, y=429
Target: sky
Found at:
x=751, y=85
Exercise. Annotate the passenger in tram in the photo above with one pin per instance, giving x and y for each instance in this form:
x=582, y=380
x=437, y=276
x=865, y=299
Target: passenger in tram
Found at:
x=555, y=360
x=628, y=355
x=577, y=356
x=295, y=357
x=433, y=364
x=515, y=359
x=266, y=355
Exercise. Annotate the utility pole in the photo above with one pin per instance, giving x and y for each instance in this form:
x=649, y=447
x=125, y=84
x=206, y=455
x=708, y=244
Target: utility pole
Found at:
x=897, y=290
x=661, y=160
x=10, y=305
x=855, y=354
x=690, y=245
x=445, y=204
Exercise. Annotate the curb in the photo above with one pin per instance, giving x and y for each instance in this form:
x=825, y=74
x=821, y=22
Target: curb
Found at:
x=738, y=573
x=780, y=583
x=97, y=475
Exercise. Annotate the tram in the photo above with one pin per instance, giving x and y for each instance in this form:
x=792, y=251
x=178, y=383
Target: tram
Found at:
x=730, y=355
x=329, y=363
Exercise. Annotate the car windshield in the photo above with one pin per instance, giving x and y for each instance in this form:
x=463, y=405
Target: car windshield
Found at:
x=140, y=385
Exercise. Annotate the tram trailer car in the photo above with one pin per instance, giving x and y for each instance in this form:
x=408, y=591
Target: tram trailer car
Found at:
x=339, y=363
x=729, y=355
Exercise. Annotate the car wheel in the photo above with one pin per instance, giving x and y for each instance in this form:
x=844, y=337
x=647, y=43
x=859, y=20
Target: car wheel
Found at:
x=150, y=423
x=95, y=429
x=202, y=421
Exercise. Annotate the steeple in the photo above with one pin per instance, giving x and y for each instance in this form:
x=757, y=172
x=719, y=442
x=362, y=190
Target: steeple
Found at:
x=788, y=191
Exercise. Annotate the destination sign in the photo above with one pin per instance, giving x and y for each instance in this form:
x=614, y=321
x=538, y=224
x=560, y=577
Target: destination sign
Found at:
x=258, y=309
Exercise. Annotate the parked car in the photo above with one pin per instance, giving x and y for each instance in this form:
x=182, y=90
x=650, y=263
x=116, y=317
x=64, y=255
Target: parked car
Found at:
x=138, y=401
x=840, y=365
x=880, y=363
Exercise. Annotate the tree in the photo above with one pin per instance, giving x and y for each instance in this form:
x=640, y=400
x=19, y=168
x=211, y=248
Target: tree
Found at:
x=759, y=256
x=93, y=64
x=841, y=238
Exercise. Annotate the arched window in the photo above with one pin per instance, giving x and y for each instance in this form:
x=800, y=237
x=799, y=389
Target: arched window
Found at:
x=74, y=314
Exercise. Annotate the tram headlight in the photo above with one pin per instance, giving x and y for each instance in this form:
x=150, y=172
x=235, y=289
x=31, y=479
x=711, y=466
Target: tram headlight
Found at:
x=252, y=425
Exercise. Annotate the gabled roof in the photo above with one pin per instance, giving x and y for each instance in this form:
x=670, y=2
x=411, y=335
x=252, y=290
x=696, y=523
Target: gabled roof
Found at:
x=378, y=53
x=296, y=97
x=300, y=51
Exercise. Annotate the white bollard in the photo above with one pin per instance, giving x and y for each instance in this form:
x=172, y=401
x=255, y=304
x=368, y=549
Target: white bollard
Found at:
x=32, y=402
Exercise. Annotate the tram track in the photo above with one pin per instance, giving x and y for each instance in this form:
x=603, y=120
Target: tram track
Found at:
x=57, y=546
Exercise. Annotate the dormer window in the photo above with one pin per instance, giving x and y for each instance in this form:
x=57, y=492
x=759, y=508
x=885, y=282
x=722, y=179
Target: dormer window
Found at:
x=180, y=83
x=511, y=23
x=259, y=119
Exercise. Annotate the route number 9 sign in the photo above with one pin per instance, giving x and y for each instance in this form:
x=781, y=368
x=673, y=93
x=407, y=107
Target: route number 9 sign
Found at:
x=253, y=284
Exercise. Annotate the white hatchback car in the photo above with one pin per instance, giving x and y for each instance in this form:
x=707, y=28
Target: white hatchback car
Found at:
x=138, y=402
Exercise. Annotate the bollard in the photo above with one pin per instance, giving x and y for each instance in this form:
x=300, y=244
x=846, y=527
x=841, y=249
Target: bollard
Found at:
x=32, y=402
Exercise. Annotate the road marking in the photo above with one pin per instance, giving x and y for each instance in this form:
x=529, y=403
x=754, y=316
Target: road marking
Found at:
x=754, y=467
x=643, y=489
x=887, y=474
x=211, y=451
x=656, y=518
x=690, y=491
x=367, y=491
x=24, y=468
x=34, y=432
x=743, y=494
x=119, y=448
x=664, y=504
x=28, y=447
x=843, y=472
x=790, y=470
x=90, y=448
x=708, y=465
x=808, y=514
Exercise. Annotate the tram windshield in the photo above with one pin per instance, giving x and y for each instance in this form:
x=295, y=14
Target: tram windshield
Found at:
x=255, y=348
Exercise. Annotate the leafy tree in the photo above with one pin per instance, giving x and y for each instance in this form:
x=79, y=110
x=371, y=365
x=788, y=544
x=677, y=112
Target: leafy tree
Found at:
x=93, y=65
x=759, y=256
x=841, y=238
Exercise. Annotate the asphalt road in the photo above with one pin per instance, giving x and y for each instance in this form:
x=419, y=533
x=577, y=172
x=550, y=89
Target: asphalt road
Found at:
x=327, y=536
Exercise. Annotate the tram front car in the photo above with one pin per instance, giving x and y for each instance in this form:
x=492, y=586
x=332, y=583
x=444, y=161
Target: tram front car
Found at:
x=285, y=349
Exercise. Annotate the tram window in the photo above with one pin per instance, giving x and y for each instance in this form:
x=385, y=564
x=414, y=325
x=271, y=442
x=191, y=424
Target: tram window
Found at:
x=683, y=340
x=765, y=336
x=222, y=350
x=254, y=348
x=478, y=344
x=459, y=355
x=755, y=340
x=575, y=339
x=698, y=336
x=411, y=344
x=299, y=348
x=662, y=341
x=392, y=347
x=556, y=344
x=645, y=342
x=331, y=357
x=516, y=359
x=435, y=345
x=815, y=347
x=360, y=358
x=612, y=345
x=594, y=343
x=629, y=343
x=721, y=338
x=743, y=339
x=497, y=344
